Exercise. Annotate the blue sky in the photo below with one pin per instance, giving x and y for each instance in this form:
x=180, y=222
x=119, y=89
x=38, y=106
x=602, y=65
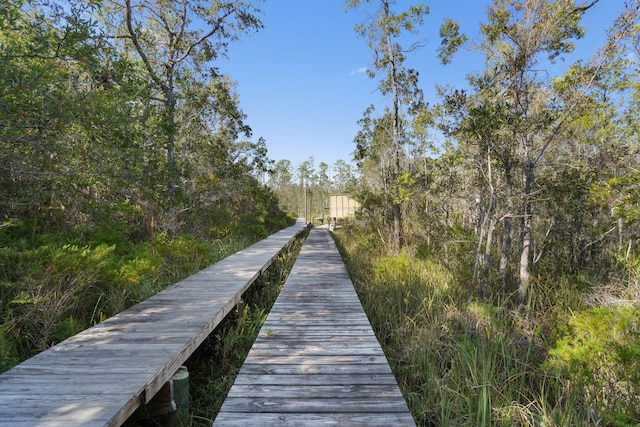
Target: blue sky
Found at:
x=301, y=82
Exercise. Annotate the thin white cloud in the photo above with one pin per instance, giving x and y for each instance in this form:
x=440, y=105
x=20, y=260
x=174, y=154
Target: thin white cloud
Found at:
x=362, y=70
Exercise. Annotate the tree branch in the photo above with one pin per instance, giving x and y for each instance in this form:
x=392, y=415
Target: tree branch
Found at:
x=583, y=9
x=204, y=37
x=136, y=43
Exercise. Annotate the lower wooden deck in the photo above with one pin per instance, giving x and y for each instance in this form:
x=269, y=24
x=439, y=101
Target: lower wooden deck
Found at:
x=316, y=360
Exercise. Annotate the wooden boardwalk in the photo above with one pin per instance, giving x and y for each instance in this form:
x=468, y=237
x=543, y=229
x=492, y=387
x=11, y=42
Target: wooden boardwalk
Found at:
x=100, y=376
x=316, y=360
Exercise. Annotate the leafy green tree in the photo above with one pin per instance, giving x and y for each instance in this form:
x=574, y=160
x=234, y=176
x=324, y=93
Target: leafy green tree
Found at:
x=308, y=183
x=342, y=176
x=400, y=83
x=171, y=38
x=518, y=37
x=67, y=111
x=281, y=181
x=608, y=86
x=531, y=136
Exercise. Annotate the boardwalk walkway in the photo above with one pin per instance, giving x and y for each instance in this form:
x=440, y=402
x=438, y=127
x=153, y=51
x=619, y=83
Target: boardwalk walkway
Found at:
x=316, y=360
x=100, y=376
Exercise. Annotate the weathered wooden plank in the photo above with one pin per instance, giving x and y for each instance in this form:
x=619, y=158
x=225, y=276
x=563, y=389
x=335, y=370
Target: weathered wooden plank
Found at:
x=273, y=330
x=319, y=312
x=22, y=392
x=29, y=403
x=100, y=376
x=314, y=314
x=87, y=363
x=311, y=342
x=315, y=405
x=83, y=367
x=133, y=336
x=64, y=411
x=296, y=391
x=328, y=323
x=320, y=300
x=316, y=360
x=342, y=305
x=302, y=360
x=317, y=355
x=232, y=419
x=325, y=369
x=376, y=379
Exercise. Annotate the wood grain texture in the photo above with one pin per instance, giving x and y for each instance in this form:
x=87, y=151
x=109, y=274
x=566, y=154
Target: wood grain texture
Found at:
x=316, y=361
x=100, y=376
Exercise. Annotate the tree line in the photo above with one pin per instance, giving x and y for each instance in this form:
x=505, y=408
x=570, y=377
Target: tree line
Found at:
x=535, y=173
x=496, y=248
x=304, y=190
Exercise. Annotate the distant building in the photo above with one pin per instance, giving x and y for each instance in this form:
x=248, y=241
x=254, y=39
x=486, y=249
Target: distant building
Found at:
x=341, y=206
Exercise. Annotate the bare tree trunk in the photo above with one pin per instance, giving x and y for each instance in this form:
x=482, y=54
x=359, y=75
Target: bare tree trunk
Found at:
x=480, y=230
x=491, y=218
x=171, y=132
x=485, y=225
x=168, y=90
x=527, y=235
x=395, y=148
x=505, y=248
x=487, y=256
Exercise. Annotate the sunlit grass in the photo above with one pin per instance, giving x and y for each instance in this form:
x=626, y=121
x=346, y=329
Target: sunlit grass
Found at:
x=53, y=289
x=459, y=360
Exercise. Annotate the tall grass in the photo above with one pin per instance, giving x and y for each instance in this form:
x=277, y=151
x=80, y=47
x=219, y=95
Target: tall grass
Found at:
x=54, y=286
x=461, y=361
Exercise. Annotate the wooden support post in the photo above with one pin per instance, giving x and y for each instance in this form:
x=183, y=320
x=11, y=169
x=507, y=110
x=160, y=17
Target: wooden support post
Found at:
x=170, y=404
x=240, y=310
x=161, y=404
x=180, y=380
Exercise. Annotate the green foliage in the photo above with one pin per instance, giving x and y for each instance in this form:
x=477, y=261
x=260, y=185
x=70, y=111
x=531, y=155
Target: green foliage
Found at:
x=80, y=123
x=535, y=189
x=86, y=227
x=624, y=191
x=53, y=291
x=600, y=353
x=9, y=353
x=486, y=361
x=451, y=40
x=258, y=231
x=380, y=152
x=50, y=289
x=459, y=361
x=397, y=266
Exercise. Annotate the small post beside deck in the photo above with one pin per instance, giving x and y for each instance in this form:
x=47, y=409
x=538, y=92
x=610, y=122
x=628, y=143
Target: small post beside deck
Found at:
x=316, y=360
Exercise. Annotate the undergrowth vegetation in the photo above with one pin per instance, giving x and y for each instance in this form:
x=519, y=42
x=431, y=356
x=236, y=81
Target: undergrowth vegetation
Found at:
x=54, y=285
x=465, y=360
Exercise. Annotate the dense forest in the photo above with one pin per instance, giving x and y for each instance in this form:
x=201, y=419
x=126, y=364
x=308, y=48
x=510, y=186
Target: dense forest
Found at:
x=498, y=262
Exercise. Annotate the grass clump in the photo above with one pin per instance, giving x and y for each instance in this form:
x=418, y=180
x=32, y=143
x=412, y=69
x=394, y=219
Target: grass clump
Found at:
x=463, y=360
x=55, y=285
